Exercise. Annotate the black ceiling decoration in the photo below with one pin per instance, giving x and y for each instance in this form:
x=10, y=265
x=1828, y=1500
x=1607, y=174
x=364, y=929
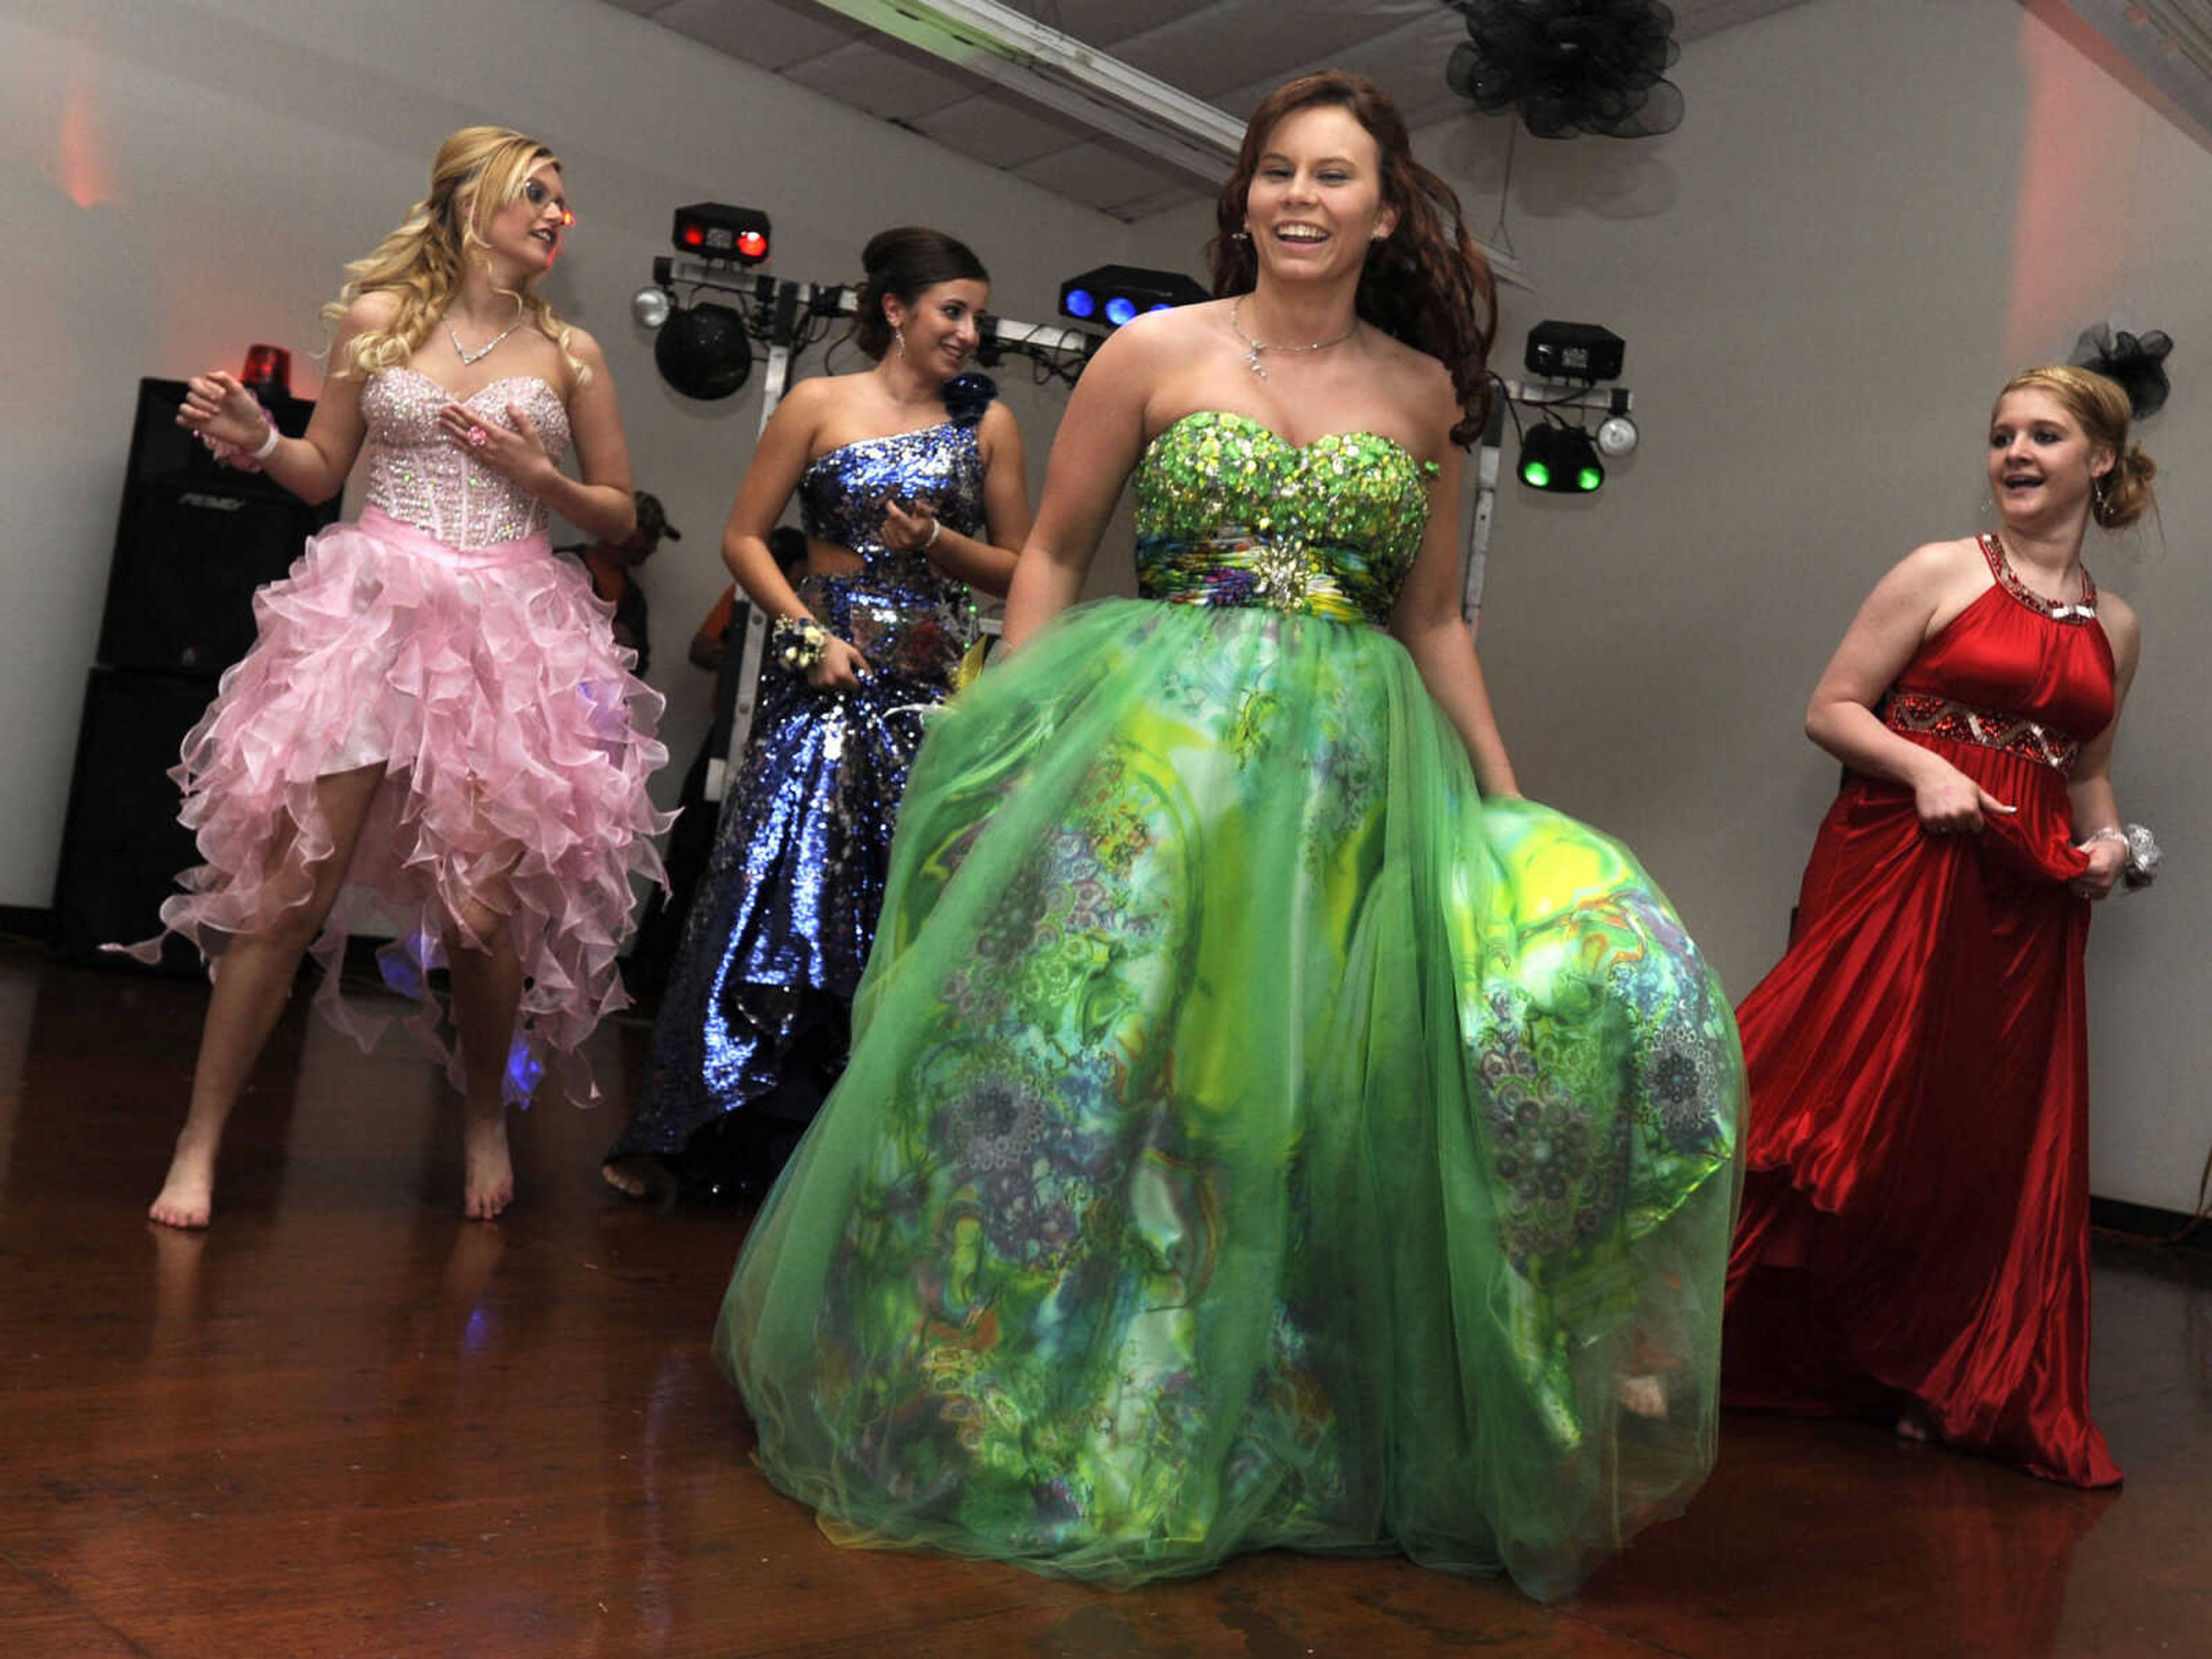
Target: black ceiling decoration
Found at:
x=1570, y=66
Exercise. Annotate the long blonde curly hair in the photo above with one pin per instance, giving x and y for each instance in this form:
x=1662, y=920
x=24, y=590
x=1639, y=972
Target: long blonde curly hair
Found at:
x=478, y=171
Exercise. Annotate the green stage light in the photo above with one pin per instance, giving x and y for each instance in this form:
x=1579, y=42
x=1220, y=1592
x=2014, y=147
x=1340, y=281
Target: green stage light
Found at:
x=1560, y=460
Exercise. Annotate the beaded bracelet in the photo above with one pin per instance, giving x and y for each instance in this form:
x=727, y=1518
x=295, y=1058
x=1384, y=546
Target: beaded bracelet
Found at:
x=800, y=643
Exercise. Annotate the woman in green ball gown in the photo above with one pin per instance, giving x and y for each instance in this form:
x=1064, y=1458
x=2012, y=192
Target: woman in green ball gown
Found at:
x=1263, y=1127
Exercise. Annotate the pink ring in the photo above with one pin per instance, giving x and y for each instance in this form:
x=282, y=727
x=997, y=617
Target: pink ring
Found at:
x=477, y=437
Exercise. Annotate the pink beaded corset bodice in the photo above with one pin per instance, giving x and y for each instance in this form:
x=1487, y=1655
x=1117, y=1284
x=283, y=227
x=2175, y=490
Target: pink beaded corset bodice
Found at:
x=419, y=475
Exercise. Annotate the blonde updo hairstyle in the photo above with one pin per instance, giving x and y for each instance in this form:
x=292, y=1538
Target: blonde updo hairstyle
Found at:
x=478, y=171
x=2100, y=409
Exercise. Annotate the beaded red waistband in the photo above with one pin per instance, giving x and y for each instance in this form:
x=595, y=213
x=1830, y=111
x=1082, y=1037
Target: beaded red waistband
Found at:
x=1989, y=728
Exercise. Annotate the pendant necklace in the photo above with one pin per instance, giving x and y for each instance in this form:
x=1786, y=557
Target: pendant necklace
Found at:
x=467, y=357
x=1252, y=347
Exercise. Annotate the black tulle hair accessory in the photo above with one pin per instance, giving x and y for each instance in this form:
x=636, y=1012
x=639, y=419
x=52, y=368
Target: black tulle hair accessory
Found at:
x=1570, y=66
x=2136, y=361
x=968, y=395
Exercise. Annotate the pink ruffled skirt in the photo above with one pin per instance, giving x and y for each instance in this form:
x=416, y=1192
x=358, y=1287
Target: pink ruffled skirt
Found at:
x=516, y=744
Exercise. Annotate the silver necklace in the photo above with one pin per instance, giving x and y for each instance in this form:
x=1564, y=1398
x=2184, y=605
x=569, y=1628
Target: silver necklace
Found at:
x=481, y=352
x=1252, y=347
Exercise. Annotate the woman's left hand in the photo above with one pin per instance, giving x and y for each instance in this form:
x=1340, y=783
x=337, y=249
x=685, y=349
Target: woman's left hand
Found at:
x=907, y=528
x=2107, y=858
x=519, y=455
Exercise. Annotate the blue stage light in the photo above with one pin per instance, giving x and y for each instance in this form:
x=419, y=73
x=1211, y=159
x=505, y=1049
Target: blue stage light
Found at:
x=1116, y=295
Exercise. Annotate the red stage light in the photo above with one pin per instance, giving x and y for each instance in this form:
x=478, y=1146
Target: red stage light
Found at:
x=267, y=370
x=721, y=233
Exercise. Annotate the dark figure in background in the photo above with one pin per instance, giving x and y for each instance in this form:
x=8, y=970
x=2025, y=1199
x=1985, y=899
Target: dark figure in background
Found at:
x=718, y=647
x=610, y=564
x=911, y=481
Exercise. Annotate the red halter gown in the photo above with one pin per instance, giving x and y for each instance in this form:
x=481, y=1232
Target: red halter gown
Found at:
x=1915, y=1221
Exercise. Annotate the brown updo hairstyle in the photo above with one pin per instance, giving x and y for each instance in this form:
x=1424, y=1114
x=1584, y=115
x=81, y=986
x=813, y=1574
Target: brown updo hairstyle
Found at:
x=904, y=261
x=2100, y=409
x=1426, y=284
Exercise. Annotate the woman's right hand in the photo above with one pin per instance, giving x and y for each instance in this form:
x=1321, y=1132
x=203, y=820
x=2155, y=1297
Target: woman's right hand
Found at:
x=1952, y=804
x=841, y=668
x=218, y=406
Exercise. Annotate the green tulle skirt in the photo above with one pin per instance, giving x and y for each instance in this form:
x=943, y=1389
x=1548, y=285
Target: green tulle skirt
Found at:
x=1252, y=1138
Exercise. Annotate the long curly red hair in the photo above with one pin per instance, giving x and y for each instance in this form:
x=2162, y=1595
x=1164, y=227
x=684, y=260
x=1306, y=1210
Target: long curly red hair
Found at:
x=1426, y=284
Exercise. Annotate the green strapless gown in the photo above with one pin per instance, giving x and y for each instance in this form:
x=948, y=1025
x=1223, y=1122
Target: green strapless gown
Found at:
x=1252, y=1138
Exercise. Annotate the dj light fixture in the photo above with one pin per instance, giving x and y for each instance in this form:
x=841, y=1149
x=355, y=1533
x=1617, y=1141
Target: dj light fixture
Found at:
x=1116, y=295
x=703, y=349
x=718, y=232
x=1560, y=460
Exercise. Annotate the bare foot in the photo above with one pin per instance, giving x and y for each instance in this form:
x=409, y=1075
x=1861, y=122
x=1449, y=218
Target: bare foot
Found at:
x=1913, y=1425
x=639, y=1175
x=490, y=1172
x=1643, y=1394
x=187, y=1197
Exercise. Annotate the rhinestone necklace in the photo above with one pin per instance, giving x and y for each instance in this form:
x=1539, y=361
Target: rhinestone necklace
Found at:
x=1252, y=347
x=483, y=351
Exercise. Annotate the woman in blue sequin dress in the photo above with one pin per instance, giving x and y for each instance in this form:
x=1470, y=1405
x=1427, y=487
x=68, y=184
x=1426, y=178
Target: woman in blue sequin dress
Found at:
x=911, y=482
x=1263, y=1129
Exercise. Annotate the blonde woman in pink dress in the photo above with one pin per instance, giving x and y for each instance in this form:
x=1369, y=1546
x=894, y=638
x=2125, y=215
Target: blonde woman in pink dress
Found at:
x=434, y=715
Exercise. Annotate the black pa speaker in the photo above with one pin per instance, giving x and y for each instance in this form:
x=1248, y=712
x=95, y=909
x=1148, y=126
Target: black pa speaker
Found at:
x=122, y=846
x=194, y=541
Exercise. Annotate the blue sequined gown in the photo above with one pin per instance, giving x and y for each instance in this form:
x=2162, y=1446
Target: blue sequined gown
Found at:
x=756, y=1011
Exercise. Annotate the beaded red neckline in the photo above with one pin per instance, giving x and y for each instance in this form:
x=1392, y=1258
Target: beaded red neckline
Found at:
x=2082, y=611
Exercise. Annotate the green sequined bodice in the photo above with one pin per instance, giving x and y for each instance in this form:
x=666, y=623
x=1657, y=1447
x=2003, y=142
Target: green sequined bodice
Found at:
x=1229, y=514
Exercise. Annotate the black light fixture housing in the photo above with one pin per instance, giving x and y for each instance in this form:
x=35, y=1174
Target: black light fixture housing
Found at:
x=725, y=234
x=703, y=351
x=1574, y=351
x=1116, y=293
x=1560, y=460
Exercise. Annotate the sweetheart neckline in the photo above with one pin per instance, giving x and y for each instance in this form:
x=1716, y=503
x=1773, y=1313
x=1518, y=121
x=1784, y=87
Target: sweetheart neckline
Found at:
x=454, y=396
x=1314, y=442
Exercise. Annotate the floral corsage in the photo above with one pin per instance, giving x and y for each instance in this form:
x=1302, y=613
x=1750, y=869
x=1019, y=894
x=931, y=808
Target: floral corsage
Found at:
x=799, y=643
x=2144, y=857
x=238, y=457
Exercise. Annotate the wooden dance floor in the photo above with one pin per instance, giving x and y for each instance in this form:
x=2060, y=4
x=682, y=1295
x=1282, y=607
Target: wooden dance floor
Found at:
x=347, y=1422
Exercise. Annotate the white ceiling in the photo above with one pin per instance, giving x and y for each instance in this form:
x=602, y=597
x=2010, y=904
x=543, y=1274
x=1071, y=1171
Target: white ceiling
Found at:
x=2169, y=43
x=1228, y=52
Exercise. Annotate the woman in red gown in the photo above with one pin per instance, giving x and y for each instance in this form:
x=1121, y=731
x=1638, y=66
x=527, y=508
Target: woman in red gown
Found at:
x=1914, y=1237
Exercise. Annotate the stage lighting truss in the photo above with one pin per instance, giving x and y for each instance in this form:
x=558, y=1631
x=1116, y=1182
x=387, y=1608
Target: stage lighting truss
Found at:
x=782, y=318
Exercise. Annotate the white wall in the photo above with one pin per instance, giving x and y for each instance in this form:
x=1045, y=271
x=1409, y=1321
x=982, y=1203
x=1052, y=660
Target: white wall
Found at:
x=1875, y=210
x=185, y=177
